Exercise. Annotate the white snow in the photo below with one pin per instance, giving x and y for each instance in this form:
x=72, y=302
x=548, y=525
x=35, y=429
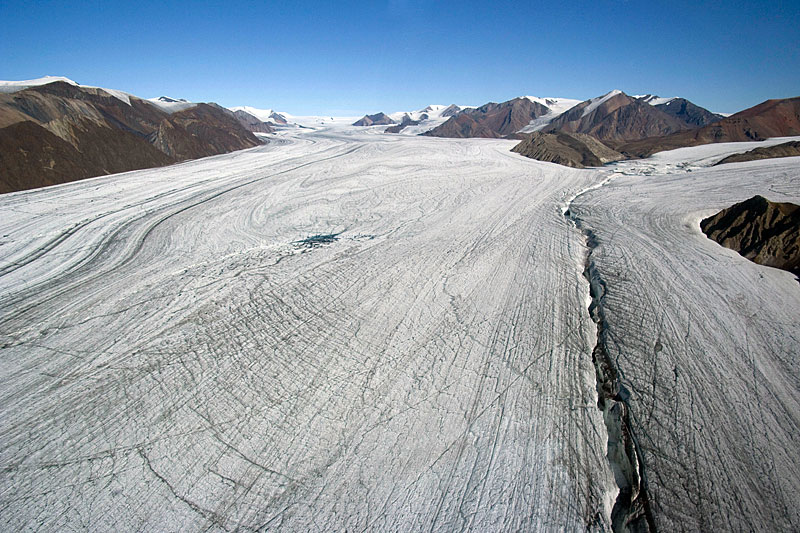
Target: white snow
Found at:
x=654, y=100
x=707, y=340
x=594, y=103
x=166, y=339
x=557, y=106
x=14, y=86
x=169, y=104
x=261, y=114
x=174, y=357
x=435, y=118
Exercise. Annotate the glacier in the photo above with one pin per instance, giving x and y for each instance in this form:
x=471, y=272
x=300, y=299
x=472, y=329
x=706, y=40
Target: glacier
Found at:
x=345, y=330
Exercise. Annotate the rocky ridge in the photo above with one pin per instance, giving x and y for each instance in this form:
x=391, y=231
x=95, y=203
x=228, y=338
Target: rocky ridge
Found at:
x=772, y=118
x=60, y=132
x=767, y=233
x=788, y=149
x=574, y=150
x=491, y=120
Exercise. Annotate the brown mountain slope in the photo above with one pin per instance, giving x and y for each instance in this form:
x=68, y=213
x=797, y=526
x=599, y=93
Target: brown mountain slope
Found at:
x=102, y=134
x=575, y=150
x=491, y=120
x=690, y=114
x=378, y=119
x=790, y=149
x=767, y=233
x=773, y=118
x=616, y=118
x=252, y=123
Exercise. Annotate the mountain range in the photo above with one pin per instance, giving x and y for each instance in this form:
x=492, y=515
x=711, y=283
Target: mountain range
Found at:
x=57, y=131
x=53, y=130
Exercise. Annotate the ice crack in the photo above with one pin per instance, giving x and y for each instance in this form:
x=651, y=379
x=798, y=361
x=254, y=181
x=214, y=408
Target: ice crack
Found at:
x=632, y=511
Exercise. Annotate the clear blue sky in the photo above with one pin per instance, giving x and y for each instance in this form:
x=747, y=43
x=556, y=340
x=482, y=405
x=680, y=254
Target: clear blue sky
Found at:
x=347, y=57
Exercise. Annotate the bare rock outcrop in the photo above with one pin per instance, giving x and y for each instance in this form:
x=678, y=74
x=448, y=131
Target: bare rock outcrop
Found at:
x=407, y=121
x=252, y=123
x=767, y=233
x=790, y=149
x=574, y=150
x=690, y=114
x=616, y=118
x=491, y=120
x=772, y=118
x=378, y=119
x=59, y=132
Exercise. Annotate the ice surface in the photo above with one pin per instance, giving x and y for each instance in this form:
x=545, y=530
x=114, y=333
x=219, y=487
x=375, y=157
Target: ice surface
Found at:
x=706, y=342
x=174, y=356
x=173, y=359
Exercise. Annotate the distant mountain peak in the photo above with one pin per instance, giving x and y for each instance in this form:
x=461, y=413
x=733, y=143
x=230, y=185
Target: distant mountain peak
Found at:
x=171, y=100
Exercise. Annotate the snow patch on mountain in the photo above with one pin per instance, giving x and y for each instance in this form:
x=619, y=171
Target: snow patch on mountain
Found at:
x=265, y=115
x=170, y=105
x=557, y=106
x=14, y=86
x=428, y=117
x=654, y=100
x=597, y=102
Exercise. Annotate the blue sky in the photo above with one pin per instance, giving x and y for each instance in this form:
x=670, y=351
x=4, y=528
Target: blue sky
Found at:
x=350, y=57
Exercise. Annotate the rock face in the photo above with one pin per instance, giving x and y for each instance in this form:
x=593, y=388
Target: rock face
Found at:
x=378, y=119
x=252, y=123
x=574, y=150
x=773, y=118
x=59, y=132
x=277, y=118
x=767, y=233
x=491, y=120
x=790, y=149
x=407, y=121
x=616, y=118
x=690, y=114
x=450, y=111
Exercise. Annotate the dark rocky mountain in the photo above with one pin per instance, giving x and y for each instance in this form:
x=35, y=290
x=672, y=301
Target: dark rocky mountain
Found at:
x=490, y=120
x=170, y=100
x=773, y=118
x=767, y=233
x=378, y=119
x=575, y=150
x=450, y=111
x=59, y=132
x=690, y=114
x=252, y=123
x=789, y=149
x=616, y=118
x=277, y=118
x=407, y=121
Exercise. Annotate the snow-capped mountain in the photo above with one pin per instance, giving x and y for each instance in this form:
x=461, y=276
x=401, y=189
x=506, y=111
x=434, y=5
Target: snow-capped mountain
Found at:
x=265, y=115
x=14, y=86
x=653, y=99
x=412, y=122
x=693, y=115
x=557, y=106
x=616, y=117
x=171, y=105
x=55, y=130
x=493, y=120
